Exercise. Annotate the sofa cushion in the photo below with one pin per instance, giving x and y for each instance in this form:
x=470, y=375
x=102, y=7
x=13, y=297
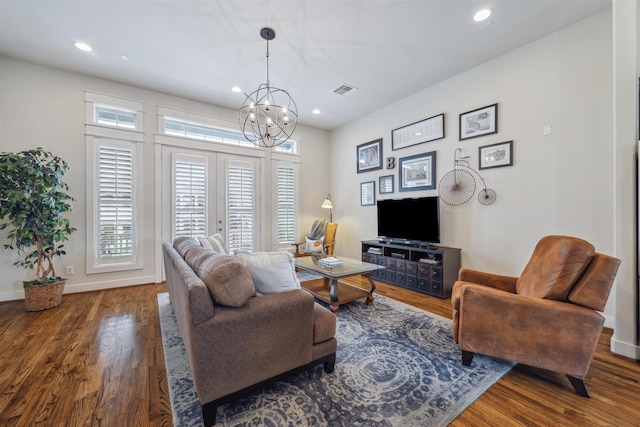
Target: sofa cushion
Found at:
x=324, y=324
x=215, y=242
x=183, y=244
x=227, y=279
x=271, y=271
x=557, y=262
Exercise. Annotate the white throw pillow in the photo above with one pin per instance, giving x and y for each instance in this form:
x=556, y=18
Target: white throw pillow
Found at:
x=215, y=242
x=314, y=246
x=271, y=271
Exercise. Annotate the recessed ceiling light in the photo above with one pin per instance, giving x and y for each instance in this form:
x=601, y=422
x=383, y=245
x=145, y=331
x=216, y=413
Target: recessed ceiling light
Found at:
x=236, y=89
x=316, y=111
x=83, y=46
x=481, y=15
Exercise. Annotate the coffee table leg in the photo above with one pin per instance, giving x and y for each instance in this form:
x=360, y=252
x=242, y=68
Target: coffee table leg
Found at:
x=333, y=295
x=369, y=300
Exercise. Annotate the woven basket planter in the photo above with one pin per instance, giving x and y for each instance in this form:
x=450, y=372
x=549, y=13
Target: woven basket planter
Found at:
x=42, y=297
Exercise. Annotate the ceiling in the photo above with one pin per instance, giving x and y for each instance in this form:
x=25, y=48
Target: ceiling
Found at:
x=388, y=49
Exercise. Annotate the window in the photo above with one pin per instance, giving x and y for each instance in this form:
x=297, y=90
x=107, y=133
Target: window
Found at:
x=113, y=170
x=179, y=127
x=106, y=111
x=240, y=206
x=190, y=202
x=285, y=204
x=115, y=201
x=115, y=117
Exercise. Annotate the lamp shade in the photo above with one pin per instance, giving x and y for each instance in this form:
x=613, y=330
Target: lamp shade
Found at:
x=327, y=202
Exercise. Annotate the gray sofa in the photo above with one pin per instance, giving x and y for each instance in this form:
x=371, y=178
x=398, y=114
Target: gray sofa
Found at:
x=235, y=340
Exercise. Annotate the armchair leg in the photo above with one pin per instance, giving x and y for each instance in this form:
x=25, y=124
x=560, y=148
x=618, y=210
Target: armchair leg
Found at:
x=578, y=386
x=467, y=357
x=330, y=363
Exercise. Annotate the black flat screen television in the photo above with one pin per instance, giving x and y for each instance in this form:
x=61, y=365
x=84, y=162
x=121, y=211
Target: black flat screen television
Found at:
x=409, y=221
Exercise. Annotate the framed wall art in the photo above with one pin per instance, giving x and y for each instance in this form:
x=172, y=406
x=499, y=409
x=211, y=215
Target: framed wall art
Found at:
x=369, y=156
x=418, y=172
x=419, y=132
x=368, y=193
x=385, y=184
x=483, y=121
x=495, y=155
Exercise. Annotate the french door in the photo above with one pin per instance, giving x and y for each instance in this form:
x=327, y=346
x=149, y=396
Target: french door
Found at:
x=205, y=192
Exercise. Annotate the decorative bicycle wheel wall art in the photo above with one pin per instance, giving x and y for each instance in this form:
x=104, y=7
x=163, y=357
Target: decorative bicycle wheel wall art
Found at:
x=458, y=186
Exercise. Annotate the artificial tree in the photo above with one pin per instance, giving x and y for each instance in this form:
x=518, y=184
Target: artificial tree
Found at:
x=33, y=201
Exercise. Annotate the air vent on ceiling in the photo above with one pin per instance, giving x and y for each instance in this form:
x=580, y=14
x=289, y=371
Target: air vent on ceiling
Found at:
x=345, y=89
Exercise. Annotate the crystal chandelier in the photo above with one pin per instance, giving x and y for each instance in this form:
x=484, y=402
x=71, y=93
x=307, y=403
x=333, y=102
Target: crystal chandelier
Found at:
x=268, y=115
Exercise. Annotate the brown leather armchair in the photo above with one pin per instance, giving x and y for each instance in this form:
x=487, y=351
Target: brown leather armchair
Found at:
x=546, y=318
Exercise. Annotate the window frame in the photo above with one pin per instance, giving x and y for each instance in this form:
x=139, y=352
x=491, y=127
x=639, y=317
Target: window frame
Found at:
x=96, y=136
x=96, y=263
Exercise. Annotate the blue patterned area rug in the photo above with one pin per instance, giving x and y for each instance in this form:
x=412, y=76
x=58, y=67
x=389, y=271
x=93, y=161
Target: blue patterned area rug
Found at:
x=396, y=366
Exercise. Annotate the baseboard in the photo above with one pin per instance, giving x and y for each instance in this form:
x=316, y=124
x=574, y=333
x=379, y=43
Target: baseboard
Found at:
x=625, y=349
x=609, y=321
x=86, y=287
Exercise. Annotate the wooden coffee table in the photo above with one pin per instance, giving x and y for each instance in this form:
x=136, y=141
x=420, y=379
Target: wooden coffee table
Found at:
x=329, y=289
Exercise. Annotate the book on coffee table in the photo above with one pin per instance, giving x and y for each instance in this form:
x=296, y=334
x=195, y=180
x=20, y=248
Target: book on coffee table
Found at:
x=330, y=261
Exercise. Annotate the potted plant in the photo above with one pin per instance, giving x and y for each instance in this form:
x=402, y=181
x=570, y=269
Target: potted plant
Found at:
x=33, y=201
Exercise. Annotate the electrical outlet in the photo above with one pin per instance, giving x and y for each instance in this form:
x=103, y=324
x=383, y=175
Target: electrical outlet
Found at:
x=68, y=270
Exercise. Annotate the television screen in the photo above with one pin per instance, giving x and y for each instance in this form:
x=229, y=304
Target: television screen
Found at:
x=413, y=221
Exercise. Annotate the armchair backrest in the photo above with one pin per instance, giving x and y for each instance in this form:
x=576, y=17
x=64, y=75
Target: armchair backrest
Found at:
x=330, y=237
x=555, y=265
x=593, y=287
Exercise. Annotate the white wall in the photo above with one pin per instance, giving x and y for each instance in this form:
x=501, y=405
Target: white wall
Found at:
x=41, y=106
x=626, y=54
x=559, y=184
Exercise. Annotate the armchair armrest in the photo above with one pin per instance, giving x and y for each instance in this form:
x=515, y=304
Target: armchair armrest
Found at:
x=504, y=283
x=528, y=329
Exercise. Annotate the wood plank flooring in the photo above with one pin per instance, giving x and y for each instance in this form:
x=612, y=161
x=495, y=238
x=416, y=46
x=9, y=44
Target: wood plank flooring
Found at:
x=97, y=360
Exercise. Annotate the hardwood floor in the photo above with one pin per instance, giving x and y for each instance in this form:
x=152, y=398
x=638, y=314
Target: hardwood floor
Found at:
x=97, y=360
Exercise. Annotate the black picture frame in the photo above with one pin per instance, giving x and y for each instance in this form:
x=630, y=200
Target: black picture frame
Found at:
x=478, y=122
x=369, y=156
x=426, y=130
x=495, y=155
x=417, y=172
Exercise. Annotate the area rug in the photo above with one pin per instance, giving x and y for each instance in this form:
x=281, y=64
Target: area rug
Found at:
x=396, y=366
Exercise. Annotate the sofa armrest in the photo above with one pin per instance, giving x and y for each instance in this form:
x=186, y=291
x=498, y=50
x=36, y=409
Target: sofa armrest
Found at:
x=554, y=335
x=505, y=283
x=239, y=347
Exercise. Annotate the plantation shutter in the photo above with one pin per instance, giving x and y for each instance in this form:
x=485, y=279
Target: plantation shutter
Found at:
x=286, y=204
x=240, y=206
x=190, y=202
x=115, y=194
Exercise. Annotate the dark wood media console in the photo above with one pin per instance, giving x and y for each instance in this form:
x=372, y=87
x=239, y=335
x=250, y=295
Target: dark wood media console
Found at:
x=431, y=269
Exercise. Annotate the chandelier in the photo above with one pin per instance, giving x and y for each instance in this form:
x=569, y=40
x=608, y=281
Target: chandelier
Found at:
x=268, y=115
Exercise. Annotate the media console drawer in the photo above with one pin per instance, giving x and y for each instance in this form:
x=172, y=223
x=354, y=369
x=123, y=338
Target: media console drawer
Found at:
x=431, y=270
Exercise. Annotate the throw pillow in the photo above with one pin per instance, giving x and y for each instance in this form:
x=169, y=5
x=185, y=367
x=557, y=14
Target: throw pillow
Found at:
x=271, y=271
x=227, y=279
x=183, y=244
x=314, y=246
x=215, y=242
